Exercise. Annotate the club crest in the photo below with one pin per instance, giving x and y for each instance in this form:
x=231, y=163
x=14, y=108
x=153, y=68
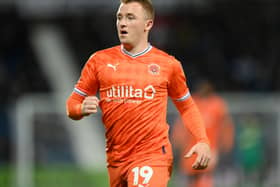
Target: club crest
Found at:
x=154, y=69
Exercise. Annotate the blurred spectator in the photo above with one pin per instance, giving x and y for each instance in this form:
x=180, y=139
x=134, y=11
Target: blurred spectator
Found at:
x=219, y=129
x=250, y=150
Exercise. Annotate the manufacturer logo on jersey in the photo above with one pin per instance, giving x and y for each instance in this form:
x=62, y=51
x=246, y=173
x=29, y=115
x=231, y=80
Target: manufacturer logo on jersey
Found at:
x=154, y=69
x=114, y=67
x=131, y=92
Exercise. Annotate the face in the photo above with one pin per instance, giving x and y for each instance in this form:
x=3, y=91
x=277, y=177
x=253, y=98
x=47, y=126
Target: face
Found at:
x=132, y=24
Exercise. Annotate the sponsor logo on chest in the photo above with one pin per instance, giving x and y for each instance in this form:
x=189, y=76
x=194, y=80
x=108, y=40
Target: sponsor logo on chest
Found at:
x=126, y=91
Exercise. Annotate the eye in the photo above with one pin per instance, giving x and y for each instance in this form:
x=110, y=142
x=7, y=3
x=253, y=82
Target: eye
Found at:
x=119, y=17
x=130, y=17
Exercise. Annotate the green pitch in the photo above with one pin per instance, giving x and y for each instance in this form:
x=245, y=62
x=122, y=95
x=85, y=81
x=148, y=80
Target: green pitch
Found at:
x=59, y=176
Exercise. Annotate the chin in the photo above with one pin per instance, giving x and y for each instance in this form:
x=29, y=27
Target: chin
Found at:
x=123, y=40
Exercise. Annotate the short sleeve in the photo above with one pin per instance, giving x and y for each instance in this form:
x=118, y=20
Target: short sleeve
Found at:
x=177, y=88
x=87, y=84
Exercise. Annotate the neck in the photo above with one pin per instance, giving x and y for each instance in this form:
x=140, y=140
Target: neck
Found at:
x=135, y=49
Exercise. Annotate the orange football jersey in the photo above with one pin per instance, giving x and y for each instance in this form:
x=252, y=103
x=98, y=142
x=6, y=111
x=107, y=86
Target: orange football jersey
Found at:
x=133, y=92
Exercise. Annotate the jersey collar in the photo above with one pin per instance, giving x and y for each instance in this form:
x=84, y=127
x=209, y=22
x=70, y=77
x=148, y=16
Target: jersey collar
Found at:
x=137, y=54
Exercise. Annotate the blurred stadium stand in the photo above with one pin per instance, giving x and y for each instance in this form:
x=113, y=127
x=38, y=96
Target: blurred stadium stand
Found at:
x=233, y=43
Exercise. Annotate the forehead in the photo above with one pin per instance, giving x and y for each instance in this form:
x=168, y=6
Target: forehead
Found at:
x=130, y=8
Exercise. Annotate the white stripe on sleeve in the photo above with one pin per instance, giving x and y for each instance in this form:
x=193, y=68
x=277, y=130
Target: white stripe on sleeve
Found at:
x=79, y=92
x=185, y=97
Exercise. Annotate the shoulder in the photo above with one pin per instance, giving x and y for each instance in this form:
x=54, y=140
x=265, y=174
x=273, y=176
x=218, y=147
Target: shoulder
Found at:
x=162, y=54
x=169, y=60
x=105, y=53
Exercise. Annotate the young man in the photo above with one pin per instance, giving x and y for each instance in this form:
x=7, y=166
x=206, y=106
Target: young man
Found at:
x=219, y=129
x=134, y=80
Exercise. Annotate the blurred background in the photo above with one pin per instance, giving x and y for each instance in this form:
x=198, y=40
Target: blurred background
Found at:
x=44, y=44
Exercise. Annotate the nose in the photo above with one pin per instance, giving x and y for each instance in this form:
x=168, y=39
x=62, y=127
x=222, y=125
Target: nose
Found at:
x=122, y=23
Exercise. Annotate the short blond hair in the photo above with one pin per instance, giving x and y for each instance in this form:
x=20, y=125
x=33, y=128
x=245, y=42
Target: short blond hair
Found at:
x=146, y=4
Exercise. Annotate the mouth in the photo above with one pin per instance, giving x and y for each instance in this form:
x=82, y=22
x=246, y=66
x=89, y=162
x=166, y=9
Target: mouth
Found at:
x=123, y=32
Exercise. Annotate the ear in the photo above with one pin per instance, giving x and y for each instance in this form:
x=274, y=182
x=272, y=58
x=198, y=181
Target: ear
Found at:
x=149, y=24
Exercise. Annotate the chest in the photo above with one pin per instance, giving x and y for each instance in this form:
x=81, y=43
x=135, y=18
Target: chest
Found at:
x=134, y=73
